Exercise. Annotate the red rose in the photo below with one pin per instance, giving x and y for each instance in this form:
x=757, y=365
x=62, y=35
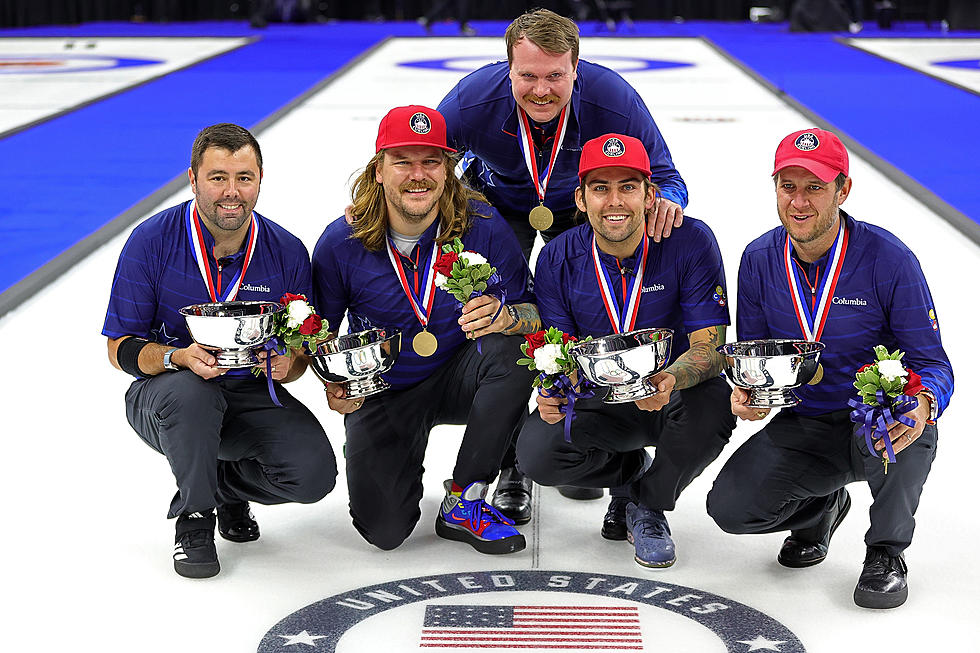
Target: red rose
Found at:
x=565, y=338
x=311, y=325
x=444, y=264
x=290, y=297
x=534, y=340
x=865, y=366
x=914, y=384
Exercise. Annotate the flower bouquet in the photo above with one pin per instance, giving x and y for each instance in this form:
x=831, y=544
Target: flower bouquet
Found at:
x=887, y=391
x=547, y=353
x=295, y=328
x=466, y=275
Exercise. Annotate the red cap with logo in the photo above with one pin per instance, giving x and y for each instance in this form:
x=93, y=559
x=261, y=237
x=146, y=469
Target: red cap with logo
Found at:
x=614, y=150
x=412, y=125
x=817, y=150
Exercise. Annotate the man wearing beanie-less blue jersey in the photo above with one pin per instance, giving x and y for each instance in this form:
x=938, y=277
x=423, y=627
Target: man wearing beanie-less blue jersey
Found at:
x=523, y=123
x=865, y=289
x=381, y=272
x=607, y=276
x=225, y=440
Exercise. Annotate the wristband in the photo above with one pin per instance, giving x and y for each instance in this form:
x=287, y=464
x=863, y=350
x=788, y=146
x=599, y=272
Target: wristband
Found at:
x=128, y=355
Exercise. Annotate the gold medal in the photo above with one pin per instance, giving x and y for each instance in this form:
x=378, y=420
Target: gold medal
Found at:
x=541, y=217
x=817, y=376
x=424, y=343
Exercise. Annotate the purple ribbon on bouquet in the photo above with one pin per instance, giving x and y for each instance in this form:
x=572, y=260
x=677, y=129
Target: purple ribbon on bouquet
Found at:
x=272, y=346
x=493, y=290
x=875, y=419
x=562, y=386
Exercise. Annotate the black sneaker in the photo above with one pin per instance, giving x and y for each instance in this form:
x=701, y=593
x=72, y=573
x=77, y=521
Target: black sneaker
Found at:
x=237, y=523
x=194, y=552
x=614, y=523
x=883, y=583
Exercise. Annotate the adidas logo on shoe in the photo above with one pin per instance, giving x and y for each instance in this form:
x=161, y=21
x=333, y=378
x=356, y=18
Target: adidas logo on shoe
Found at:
x=195, y=555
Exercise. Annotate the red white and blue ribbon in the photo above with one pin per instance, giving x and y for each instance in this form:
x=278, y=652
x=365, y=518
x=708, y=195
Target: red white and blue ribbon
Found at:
x=622, y=319
x=540, y=178
x=195, y=233
x=421, y=305
x=812, y=319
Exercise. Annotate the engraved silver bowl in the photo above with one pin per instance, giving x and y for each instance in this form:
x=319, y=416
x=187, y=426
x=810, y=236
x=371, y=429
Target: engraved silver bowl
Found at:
x=624, y=362
x=770, y=369
x=357, y=360
x=235, y=331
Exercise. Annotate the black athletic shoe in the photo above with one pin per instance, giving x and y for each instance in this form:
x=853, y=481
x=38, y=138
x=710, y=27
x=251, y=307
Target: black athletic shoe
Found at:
x=513, y=495
x=883, y=583
x=807, y=547
x=237, y=523
x=194, y=552
x=614, y=523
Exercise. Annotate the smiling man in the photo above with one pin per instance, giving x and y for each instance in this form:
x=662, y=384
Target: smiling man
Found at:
x=522, y=123
x=381, y=271
x=225, y=440
x=608, y=276
x=827, y=277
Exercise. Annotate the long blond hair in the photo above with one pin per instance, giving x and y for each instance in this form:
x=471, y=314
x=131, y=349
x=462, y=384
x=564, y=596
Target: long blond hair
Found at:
x=371, y=209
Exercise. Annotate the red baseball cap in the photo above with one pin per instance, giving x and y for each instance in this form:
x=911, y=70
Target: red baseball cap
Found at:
x=817, y=150
x=614, y=150
x=412, y=125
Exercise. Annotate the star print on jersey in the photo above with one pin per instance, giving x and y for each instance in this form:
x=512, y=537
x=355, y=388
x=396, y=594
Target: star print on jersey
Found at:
x=161, y=336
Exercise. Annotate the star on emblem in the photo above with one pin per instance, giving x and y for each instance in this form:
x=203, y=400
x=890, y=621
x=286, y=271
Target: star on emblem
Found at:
x=760, y=643
x=161, y=336
x=302, y=638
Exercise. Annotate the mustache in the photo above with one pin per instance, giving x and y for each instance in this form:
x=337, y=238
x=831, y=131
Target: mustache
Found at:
x=417, y=185
x=551, y=97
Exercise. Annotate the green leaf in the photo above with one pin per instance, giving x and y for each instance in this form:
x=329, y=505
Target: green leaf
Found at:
x=467, y=291
x=869, y=389
x=480, y=286
x=881, y=353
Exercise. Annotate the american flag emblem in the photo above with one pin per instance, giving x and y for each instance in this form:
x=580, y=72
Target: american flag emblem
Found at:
x=591, y=627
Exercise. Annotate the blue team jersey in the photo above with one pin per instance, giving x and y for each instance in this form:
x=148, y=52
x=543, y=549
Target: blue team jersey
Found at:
x=349, y=278
x=481, y=116
x=683, y=284
x=881, y=298
x=158, y=274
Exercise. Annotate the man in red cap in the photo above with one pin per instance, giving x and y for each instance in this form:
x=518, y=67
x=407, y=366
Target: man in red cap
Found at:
x=608, y=276
x=382, y=272
x=824, y=276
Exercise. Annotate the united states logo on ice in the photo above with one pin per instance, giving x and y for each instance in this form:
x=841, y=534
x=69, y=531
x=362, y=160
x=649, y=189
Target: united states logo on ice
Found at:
x=461, y=627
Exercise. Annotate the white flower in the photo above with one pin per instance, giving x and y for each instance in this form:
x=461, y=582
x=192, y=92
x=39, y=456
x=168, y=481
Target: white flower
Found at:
x=296, y=313
x=545, y=358
x=891, y=370
x=473, y=258
x=441, y=280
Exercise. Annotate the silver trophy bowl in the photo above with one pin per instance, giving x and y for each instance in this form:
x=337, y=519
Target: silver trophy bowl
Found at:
x=624, y=362
x=357, y=360
x=770, y=369
x=235, y=331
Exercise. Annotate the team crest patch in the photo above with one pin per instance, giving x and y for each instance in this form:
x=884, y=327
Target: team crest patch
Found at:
x=807, y=142
x=932, y=319
x=420, y=123
x=719, y=296
x=613, y=147
x=538, y=610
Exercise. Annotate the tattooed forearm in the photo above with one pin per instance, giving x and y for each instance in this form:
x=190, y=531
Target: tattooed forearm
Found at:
x=528, y=320
x=701, y=361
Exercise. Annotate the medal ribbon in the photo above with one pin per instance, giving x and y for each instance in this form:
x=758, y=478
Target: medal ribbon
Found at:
x=196, y=236
x=812, y=323
x=540, y=179
x=622, y=319
x=421, y=305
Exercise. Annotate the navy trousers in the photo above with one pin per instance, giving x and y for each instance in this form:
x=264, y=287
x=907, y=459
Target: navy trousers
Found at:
x=782, y=478
x=388, y=435
x=608, y=439
x=226, y=441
